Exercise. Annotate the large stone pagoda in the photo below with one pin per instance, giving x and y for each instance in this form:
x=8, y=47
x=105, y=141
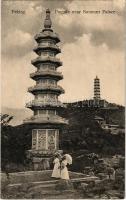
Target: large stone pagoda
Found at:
x=46, y=123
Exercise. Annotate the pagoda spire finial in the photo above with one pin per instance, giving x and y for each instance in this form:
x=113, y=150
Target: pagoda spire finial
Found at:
x=47, y=22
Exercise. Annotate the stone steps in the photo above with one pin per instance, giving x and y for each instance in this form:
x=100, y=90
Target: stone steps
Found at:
x=86, y=179
x=35, y=182
x=46, y=185
x=34, y=176
x=45, y=189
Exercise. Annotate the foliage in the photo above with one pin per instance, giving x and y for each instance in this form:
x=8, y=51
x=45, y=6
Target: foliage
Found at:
x=14, y=143
x=82, y=133
x=5, y=119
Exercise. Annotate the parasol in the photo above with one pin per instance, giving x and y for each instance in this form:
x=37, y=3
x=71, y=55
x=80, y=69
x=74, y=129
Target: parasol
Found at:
x=68, y=158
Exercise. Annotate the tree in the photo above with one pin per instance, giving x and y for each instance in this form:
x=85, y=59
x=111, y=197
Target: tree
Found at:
x=5, y=119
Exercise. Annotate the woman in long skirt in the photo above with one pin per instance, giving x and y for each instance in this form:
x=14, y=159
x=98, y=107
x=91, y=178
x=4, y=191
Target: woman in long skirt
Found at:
x=64, y=170
x=56, y=169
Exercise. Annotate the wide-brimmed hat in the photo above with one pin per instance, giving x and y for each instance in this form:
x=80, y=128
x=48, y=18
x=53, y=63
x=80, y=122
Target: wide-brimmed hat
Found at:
x=57, y=154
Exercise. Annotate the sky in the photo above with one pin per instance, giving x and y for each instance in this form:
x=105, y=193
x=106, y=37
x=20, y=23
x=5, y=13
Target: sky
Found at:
x=91, y=44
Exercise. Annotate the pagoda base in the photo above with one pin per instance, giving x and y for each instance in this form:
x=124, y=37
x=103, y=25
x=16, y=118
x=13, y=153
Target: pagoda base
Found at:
x=41, y=160
x=41, y=163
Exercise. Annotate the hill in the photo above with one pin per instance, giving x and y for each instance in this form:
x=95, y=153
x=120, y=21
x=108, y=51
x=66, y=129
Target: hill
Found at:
x=77, y=116
x=83, y=131
x=83, y=116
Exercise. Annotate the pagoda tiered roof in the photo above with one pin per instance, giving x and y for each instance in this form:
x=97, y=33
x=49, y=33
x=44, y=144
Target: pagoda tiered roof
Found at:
x=47, y=34
x=48, y=46
x=46, y=59
x=46, y=77
x=46, y=87
x=47, y=73
x=46, y=119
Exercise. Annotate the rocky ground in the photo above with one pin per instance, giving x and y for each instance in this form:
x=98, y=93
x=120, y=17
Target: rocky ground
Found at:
x=109, y=183
x=103, y=188
x=80, y=192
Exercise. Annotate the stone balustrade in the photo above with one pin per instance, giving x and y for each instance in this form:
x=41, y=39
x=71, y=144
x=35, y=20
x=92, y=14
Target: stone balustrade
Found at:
x=45, y=102
x=41, y=45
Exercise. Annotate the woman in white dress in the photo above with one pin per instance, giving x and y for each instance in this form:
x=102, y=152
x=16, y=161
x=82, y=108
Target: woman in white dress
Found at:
x=64, y=170
x=56, y=169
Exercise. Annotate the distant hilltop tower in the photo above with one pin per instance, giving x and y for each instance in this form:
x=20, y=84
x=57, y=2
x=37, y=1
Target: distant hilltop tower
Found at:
x=96, y=101
x=97, y=88
x=45, y=122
